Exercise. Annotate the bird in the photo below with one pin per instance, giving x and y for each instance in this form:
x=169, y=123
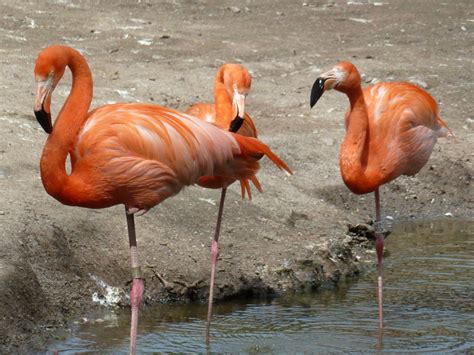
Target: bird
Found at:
x=231, y=86
x=391, y=129
x=134, y=154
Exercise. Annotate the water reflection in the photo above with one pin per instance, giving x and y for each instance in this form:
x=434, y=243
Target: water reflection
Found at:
x=429, y=307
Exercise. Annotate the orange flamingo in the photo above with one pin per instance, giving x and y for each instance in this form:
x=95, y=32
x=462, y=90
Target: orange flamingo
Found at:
x=391, y=129
x=132, y=154
x=231, y=86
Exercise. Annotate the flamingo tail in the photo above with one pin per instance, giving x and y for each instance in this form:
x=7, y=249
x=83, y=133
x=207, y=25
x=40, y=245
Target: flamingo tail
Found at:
x=254, y=148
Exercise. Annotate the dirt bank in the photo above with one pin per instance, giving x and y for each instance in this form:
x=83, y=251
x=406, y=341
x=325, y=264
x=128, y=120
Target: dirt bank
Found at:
x=54, y=258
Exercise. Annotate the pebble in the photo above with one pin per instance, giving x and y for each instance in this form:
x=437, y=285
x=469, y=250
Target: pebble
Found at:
x=470, y=123
x=3, y=174
x=419, y=82
x=328, y=141
x=234, y=9
x=365, y=78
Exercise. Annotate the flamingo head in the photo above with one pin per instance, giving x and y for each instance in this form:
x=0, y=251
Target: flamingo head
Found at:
x=49, y=69
x=237, y=82
x=342, y=77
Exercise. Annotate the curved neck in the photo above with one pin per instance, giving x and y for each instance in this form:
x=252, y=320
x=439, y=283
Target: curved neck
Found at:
x=222, y=101
x=68, y=123
x=354, y=149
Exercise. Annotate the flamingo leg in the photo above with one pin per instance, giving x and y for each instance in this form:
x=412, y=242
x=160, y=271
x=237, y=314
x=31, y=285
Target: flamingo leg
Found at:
x=136, y=291
x=214, y=257
x=379, y=241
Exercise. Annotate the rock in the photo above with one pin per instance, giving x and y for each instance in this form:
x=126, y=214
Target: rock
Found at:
x=234, y=9
x=328, y=141
x=421, y=83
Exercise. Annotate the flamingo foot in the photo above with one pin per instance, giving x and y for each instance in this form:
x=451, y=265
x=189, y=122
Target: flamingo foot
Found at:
x=135, y=300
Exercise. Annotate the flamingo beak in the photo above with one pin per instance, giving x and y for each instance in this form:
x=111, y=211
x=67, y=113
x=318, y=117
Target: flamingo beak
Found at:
x=325, y=82
x=41, y=112
x=317, y=91
x=239, y=104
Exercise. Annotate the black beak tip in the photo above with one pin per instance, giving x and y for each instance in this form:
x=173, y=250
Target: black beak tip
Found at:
x=236, y=123
x=317, y=91
x=44, y=119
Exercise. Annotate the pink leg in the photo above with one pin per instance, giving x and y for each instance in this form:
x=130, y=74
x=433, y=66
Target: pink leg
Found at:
x=137, y=284
x=379, y=241
x=214, y=257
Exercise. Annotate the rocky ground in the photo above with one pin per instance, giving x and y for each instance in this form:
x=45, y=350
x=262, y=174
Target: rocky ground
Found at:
x=293, y=236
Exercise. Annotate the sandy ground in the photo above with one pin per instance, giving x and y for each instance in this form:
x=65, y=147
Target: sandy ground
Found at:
x=293, y=237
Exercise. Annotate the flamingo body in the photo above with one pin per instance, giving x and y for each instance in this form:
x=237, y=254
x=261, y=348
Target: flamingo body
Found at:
x=403, y=127
x=138, y=155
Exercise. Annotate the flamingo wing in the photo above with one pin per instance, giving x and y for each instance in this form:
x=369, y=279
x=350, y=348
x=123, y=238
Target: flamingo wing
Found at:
x=404, y=125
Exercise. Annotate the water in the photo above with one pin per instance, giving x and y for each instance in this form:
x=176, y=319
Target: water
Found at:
x=429, y=307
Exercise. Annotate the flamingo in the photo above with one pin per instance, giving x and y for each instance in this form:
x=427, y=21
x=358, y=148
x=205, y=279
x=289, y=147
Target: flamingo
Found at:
x=231, y=86
x=132, y=154
x=391, y=129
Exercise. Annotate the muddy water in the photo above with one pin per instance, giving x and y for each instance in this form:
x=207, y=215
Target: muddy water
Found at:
x=429, y=307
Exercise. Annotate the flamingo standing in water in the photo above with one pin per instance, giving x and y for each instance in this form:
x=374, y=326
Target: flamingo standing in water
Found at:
x=391, y=129
x=132, y=154
x=231, y=86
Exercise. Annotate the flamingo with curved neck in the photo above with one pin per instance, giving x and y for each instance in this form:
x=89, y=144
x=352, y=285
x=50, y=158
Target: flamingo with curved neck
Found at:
x=391, y=129
x=231, y=86
x=132, y=154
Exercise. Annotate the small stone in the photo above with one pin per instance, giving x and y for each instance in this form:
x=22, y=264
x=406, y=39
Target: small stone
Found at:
x=328, y=141
x=234, y=9
x=419, y=82
x=470, y=123
x=365, y=78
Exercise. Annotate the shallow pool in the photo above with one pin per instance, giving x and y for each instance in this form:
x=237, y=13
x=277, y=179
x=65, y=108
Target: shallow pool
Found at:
x=429, y=307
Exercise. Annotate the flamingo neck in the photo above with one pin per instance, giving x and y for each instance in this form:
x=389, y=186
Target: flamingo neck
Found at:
x=354, y=151
x=66, y=128
x=223, y=103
